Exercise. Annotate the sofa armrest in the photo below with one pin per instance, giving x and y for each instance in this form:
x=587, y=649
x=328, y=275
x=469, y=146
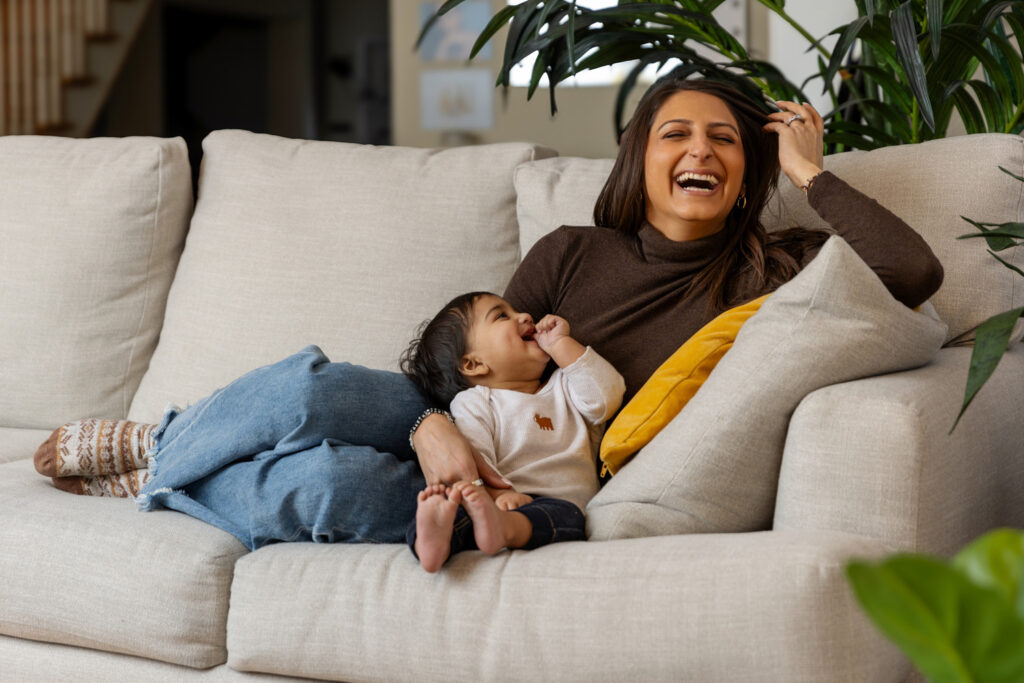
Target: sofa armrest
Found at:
x=875, y=456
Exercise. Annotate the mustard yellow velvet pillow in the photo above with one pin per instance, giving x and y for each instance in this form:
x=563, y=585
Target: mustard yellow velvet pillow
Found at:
x=672, y=385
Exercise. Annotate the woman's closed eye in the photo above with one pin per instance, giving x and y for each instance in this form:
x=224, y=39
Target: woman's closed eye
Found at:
x=677, y=135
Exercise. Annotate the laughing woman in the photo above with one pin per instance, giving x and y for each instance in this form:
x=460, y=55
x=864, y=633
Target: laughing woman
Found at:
x=307, y=449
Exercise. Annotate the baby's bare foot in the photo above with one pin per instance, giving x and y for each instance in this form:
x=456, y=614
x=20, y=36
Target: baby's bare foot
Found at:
x=488, y=523
x=435, y=515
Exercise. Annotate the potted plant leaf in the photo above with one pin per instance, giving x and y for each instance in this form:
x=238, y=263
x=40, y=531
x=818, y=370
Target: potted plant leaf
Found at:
x=958, y=621
x=992, y=337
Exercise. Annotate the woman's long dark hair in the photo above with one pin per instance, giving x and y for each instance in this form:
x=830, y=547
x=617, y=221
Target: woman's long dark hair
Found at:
x=750, y=252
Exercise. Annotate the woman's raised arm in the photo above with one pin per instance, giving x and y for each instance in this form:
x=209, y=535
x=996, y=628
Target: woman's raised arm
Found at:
x=894, y=250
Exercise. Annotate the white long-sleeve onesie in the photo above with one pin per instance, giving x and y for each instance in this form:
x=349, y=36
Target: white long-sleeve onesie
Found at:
x=545, y=443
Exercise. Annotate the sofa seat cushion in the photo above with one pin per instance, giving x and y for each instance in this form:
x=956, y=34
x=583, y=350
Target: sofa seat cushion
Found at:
x=762, y=606
x=29, y=661
x=346, y=246
x=96, y=573
x=715, y=466
x=90, y=234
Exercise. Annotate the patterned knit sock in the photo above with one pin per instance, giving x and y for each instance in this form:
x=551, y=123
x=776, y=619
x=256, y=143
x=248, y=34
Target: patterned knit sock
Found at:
x=95, y=447
x=124, y=485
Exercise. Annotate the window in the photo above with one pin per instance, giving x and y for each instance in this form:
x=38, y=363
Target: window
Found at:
x=732, y=15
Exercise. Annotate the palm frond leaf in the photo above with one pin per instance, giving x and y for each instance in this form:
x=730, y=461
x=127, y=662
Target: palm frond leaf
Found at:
x=1000, y=236
x=990, y=342
x=904, y=33
x=934, y=11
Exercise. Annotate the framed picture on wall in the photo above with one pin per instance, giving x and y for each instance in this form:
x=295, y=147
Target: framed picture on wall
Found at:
x=456, y=99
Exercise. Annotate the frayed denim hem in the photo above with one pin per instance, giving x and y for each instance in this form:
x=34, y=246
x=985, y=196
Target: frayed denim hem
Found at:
x=144, y=501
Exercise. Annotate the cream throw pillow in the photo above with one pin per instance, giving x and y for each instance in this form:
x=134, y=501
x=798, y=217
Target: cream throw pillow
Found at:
x=715, y=467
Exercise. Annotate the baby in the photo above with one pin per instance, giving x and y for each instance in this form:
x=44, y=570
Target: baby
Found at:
x=489, y=362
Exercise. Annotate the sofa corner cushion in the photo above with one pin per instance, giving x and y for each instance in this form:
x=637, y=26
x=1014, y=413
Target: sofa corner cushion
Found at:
x=91, y=233
x=96, y=573
x=715, y=467
x=554, y=192
x=346, y=246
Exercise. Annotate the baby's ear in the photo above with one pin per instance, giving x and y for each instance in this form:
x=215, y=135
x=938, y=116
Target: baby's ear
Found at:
x=471, y=366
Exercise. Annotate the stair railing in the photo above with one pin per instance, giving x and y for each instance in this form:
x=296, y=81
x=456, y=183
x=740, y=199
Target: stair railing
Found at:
x=42, y=51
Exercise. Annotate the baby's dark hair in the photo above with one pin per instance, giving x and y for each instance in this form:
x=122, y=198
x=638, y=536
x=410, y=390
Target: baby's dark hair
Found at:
x=434, y=358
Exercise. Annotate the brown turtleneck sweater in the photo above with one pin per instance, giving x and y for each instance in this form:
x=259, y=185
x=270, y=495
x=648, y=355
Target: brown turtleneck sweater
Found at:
x=629, y=304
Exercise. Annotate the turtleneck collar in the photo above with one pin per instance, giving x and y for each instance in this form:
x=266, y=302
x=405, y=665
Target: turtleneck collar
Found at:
x=657, y=248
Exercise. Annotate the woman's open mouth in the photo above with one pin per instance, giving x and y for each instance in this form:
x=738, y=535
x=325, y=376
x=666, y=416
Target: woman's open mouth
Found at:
x=697, y=183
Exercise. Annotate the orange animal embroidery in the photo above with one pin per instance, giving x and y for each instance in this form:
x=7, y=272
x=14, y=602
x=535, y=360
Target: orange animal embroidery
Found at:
x=543, y=422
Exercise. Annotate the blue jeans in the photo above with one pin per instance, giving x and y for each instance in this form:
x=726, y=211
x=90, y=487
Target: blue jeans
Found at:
x=554, y=520
x=301, y=450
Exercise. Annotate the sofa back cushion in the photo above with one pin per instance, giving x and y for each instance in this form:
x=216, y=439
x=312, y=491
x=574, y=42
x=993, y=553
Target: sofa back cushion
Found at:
x=346, y=246
x=554, y=192
x=930, y=186
x=90, y=234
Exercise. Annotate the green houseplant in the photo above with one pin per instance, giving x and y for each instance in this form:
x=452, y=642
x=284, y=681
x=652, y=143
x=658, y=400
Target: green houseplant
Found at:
x=905, y=67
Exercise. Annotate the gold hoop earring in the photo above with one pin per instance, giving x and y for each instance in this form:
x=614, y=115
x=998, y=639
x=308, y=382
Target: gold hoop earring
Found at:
x=741, y=203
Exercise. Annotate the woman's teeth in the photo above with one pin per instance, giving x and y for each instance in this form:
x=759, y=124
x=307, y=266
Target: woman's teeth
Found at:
x=697, y=181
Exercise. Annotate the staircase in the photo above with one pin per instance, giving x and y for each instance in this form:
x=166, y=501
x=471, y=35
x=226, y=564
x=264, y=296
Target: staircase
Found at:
x=59, y=60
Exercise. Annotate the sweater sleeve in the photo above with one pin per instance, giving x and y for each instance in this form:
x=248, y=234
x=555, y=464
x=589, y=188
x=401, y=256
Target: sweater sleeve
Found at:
x=898, y=255
x=594, y=387
x=535, y=285
x=475, y=420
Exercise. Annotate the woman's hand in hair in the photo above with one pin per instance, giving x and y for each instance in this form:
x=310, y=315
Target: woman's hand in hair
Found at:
x=446, y=456
x=801, y=140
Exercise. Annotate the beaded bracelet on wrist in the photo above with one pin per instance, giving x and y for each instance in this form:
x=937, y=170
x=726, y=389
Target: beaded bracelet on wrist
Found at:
x=419, y=420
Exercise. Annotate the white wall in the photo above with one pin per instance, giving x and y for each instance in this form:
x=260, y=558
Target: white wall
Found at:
x=787, y=49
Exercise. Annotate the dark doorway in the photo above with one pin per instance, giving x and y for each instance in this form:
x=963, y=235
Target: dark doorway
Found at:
x=216, y=74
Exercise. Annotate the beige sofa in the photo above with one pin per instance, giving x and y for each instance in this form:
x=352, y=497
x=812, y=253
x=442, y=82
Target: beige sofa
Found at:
x=117, y=299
